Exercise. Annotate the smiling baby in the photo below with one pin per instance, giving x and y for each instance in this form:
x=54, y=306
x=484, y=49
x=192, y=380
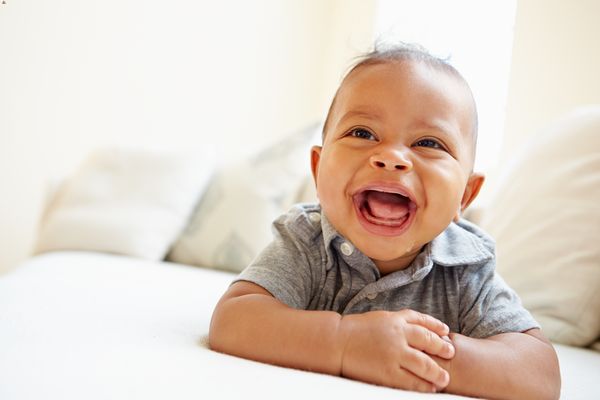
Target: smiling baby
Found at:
x=382, y=281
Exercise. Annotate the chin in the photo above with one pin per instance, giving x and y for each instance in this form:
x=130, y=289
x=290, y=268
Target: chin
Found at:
x=386, y=252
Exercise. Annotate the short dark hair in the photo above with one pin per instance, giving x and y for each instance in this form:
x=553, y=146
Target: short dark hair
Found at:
x=399, y=52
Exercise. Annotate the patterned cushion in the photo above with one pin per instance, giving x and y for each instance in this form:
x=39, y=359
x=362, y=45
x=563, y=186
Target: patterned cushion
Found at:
x=232, y=221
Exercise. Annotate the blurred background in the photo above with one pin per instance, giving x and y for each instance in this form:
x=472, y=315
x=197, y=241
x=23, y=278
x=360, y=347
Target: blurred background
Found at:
x=238, y=75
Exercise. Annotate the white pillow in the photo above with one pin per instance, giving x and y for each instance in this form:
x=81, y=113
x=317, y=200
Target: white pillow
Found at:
x=232, y=222
x=125, y=201
x=545, y=218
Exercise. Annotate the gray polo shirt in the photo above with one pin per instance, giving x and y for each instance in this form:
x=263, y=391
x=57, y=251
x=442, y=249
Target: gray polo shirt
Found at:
x=310, y=266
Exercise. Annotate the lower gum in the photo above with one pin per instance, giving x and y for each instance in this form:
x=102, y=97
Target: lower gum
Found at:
x=376, y=221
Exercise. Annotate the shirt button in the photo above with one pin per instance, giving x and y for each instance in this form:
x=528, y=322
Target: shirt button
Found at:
x=346, y=248
x=314, y=217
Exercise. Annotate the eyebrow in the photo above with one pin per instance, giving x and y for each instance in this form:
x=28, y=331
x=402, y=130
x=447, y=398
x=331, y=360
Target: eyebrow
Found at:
x=361, y=113
x=447, y=129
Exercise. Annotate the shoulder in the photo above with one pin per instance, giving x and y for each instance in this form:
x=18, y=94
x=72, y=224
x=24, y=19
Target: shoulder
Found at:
x=288, y=266
x=301, y=223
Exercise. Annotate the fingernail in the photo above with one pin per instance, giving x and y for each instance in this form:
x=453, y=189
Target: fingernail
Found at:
x=450, y=349
x=445, y=378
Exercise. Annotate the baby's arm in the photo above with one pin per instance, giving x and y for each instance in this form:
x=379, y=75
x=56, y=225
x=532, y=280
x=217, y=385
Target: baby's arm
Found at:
x=504, y=366
x=386, y=348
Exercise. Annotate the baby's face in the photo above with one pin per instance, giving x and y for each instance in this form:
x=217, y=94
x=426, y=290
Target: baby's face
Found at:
x=395, y=166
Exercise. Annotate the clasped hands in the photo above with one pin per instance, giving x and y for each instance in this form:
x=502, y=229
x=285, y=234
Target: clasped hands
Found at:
x=396, y=349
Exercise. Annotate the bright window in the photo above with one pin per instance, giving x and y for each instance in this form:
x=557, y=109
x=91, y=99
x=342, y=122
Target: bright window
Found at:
x=476, y=37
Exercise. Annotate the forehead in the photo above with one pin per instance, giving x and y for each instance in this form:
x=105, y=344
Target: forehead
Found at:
x=390, y=90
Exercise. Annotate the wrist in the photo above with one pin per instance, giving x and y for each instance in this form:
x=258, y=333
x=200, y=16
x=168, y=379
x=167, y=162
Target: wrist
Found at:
x=448, y=364
x=343, y=336
x=459, y=366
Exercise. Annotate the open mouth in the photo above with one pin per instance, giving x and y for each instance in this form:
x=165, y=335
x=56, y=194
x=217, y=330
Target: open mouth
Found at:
x=383, y=211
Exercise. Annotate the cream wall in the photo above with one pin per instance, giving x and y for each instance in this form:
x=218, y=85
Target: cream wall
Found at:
x=75, y=75
x=555, y=65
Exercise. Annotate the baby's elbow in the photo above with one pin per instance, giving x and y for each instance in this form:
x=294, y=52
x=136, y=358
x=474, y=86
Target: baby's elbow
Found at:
x=213, y=336
x=543, y=382
x=551, y=379
x=547, y=366
x=553, y=385
x=550, y=390
x=217, y=333
x=213, y=340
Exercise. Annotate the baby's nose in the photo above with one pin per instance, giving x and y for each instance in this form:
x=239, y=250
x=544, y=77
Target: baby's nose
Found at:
x=391, y=160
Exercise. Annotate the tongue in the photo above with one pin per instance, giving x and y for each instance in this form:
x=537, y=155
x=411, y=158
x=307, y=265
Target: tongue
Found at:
x=387, y=205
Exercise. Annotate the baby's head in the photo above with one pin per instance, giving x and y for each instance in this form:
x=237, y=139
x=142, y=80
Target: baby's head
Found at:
x=396, y=164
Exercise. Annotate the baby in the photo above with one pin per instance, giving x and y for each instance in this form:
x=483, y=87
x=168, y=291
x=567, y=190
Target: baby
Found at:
x=382, y=281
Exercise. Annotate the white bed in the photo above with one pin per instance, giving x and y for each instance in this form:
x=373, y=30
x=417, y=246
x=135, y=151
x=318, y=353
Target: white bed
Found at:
x=89, y=325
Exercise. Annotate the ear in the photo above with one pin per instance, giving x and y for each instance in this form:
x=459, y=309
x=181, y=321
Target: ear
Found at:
x=471, y=191
x=315, y=156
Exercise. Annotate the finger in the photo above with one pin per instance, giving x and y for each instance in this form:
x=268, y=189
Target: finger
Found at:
x=425, y=368
x=425, y=340
x=406, y=380
x=426, y=321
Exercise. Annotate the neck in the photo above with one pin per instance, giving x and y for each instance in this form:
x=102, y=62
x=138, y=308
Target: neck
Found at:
x=386, y=267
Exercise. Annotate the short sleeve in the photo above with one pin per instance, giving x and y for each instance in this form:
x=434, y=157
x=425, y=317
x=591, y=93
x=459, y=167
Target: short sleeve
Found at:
x=488, y=306
x=283, y=267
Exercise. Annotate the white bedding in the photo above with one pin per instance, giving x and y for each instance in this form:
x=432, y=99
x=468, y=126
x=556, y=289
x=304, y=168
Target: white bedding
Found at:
x=86, y=325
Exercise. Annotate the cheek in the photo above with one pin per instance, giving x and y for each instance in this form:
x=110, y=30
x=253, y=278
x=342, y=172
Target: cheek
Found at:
x=335, y=173
x=325, y=184
x=447, y=186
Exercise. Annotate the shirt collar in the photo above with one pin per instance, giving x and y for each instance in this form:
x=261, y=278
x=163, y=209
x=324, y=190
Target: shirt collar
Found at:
x=460, y=243
x=334, y=241
x=329, y=232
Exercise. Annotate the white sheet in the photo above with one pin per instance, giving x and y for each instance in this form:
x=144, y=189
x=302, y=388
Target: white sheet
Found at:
x=86, y=325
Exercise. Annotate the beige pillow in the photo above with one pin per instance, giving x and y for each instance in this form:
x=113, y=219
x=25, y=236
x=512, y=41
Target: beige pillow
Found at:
x=125, y=201
x=545, y=217
x=232, y=222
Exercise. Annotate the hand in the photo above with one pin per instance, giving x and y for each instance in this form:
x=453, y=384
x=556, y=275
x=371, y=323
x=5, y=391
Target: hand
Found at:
x=395, y=348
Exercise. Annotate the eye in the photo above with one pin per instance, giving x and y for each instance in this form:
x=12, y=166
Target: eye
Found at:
x=362, y=133
x=434, y=144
